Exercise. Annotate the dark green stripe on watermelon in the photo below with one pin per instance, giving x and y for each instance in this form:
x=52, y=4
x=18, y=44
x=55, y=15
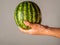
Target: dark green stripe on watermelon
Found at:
x=39, y=14
x=31, y=12
x=16, y=16
x=35, y=11
x=27, y=16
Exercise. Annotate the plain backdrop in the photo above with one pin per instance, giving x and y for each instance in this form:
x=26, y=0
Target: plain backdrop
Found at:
x=11, y=35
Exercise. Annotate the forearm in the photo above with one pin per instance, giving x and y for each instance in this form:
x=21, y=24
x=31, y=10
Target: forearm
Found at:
x=55, y=31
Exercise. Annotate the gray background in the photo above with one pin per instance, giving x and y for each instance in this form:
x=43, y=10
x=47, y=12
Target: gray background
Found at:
x=9, y=32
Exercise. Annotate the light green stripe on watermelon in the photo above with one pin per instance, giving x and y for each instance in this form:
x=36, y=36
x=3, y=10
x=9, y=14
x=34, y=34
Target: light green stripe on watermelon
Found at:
x=20, y=6
x=24, y=15
x=15, y=18
x=33, y=10
x=29, y=13
x=22, y=20
x=25, y=11
x=20, y=15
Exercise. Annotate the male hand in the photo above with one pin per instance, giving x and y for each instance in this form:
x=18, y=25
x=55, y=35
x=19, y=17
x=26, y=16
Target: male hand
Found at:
x=36, y=29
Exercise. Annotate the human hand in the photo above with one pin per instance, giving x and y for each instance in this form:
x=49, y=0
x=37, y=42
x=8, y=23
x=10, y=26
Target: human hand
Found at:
x=36, y=29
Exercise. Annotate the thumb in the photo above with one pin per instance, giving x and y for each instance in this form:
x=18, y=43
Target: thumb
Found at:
x=28, y=24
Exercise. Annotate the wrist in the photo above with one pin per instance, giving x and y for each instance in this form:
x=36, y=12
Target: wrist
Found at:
x=54, y=32
x=48, y=31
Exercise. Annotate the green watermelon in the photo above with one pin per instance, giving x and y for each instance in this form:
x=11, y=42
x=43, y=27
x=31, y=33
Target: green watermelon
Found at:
x=27, y=11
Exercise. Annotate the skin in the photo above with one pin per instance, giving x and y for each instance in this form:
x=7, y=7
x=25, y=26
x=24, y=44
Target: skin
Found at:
x=37, y=29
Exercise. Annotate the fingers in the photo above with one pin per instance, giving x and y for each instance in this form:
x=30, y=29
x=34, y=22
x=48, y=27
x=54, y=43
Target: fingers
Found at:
x=23, y=29
x=28, y=24
x=26, y=31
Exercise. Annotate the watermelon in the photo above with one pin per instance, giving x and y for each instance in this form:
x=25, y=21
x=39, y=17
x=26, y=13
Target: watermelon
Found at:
x=27, y=11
